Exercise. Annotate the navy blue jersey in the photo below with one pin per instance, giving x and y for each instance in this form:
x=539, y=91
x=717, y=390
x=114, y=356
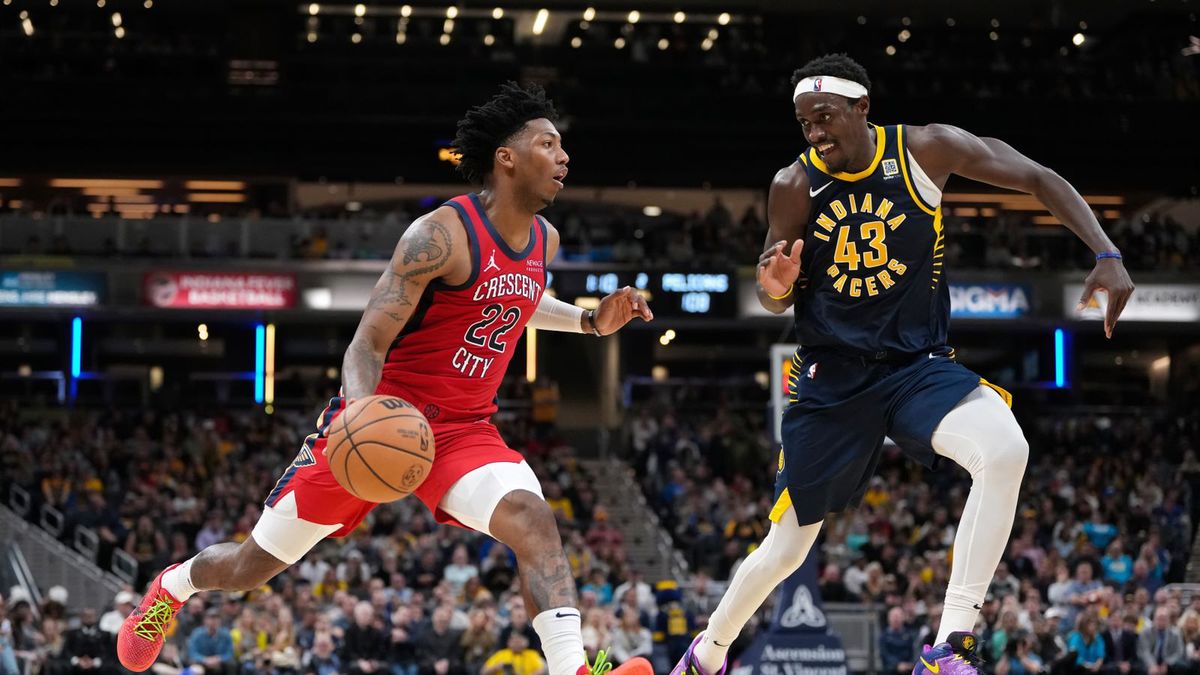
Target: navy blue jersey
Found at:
x=871, y=271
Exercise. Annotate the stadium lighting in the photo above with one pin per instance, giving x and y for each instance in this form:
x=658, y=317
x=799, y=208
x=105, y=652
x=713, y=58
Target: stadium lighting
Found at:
x=652, y=211
x=314, y=9
x=406, y=10
x=530, y=354
x=448, y=26
x=1078, y=39
x=904, y=35
x=444, y=39
x=589, y=14
x=312, y=37
x=452, y=12
x=890, y=51
x=950, y=21
x=663, y=43
x=635, y=16
x=706, y=44
x=202, y=332
x=260, y=361
x=539, y=22
x=576, y=42
x=148, y=4
x=680, y=17
x=713, y=34
x=356, y=38
x=27, y=27
x=76, y=345
x=116, y=19
x=269, y=374
x=54, y=3
x=1060, y=358
x=489, y=40
x=498, y=13
x=401, y=37
x=99, y=3
x=360, y=10
x=993, y=36
x=724, y=19
x=619, y=43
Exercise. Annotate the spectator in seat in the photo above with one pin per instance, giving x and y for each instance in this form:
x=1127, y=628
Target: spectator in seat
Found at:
x=439, y=650
x=1086, y=643
x=896, y=643
x=322, y=660
x=364, y=647
x=1160, y=647
x=517, y=658
x=1121, y=643
x=88, y=649
x=211, y=646
x=631, y=639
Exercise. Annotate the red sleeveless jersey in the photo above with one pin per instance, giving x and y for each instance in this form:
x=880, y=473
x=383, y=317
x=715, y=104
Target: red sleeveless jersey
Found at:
x=450, y=357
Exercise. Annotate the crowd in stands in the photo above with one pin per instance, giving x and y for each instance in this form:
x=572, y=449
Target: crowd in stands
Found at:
x=603, y=233
x=1103, y=528
x=399, y=595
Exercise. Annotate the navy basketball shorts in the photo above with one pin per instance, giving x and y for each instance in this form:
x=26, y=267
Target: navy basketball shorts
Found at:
x=842, y=408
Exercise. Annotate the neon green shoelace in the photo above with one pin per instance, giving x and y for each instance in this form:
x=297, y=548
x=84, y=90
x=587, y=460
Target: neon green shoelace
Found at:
x=601, y=665
x=155, y=621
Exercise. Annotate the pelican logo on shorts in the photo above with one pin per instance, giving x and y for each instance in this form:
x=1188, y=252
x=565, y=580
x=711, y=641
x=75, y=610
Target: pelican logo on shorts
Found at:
x=492, y=263
x=431, y=412
x=803, y=611
x=890, y=169
x=968, y=642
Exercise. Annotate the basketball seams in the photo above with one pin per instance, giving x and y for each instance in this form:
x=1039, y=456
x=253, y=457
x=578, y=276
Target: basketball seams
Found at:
x=363, y=461
x=395, y=449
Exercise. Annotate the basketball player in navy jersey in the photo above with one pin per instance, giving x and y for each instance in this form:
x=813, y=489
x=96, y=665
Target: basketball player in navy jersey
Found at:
x=439, y=331
x=855, y=247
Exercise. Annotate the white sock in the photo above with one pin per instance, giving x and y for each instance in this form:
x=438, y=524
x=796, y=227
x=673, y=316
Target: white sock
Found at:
x=562, y=642
x=983, y=437
x=178, y=581
x=781, y=553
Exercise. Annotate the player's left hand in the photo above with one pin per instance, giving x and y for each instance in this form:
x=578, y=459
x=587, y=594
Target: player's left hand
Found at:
x=619, y=308
x=1109, y=276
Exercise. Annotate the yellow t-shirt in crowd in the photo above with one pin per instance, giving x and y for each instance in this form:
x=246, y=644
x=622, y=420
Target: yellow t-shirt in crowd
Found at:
x=527, y=662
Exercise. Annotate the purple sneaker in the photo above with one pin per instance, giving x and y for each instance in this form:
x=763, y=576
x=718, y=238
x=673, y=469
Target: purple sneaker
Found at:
x=956, y=656
x=689, y=666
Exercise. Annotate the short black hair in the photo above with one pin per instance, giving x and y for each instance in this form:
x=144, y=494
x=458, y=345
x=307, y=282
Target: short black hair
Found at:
x=491, y=125
x=834, y=65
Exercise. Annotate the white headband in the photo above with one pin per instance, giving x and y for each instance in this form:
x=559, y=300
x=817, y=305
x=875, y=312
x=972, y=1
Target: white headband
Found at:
x=827, y=84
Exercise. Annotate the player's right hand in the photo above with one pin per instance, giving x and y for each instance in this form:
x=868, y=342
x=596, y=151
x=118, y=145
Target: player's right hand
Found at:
x=778, y=271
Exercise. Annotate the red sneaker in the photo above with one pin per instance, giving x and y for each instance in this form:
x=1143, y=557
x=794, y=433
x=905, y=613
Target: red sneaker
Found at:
x=141, y=636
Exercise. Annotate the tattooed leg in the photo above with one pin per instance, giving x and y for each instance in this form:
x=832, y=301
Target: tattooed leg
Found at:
x=524, y=522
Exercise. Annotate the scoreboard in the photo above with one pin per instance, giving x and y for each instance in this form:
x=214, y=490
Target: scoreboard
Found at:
x=670, y=294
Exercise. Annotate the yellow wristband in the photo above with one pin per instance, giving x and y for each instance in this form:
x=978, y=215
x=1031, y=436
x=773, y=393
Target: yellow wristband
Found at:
x=789, y=292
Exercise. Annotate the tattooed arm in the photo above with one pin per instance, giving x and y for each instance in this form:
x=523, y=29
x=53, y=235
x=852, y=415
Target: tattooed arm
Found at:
x=431, y=248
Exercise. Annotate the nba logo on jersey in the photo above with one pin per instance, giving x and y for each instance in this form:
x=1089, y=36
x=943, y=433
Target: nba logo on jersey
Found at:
x=817, y=84
x=492, y=263
x=889, y=168
x=812, y=371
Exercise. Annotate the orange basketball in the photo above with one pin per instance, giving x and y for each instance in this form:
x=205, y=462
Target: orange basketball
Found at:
x=380, y=449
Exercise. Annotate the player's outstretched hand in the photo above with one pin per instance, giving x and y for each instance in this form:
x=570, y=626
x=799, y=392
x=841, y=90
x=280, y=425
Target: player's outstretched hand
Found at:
x=1109, y=276
x=777, y=271
x=619, y=308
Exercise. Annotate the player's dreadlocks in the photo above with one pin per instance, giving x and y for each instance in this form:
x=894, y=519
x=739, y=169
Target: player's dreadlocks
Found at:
x=834, y=65
x=493, y=124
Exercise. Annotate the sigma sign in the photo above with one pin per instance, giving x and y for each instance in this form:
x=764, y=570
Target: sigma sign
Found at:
x=990, y=301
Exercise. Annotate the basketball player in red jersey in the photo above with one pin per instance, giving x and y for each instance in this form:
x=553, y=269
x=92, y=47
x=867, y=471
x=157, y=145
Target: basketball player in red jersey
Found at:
x=439, y=331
